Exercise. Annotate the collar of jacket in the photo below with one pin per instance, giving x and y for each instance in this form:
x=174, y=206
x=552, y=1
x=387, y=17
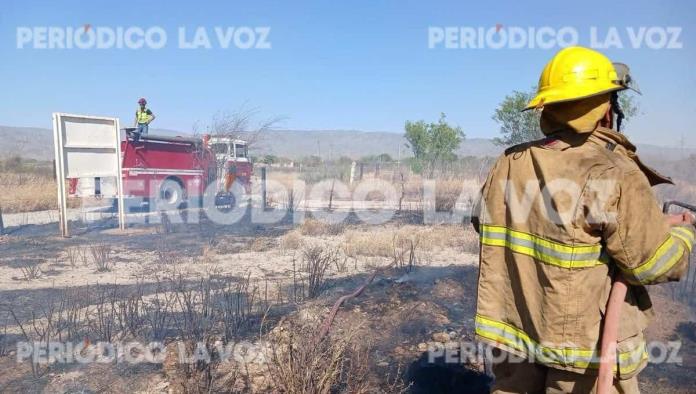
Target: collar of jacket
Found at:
x=609, y=139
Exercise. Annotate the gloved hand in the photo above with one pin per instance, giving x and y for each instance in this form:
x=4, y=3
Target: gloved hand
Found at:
x=683, y=219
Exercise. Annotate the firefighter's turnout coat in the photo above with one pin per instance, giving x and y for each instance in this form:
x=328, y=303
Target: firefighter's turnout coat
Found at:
x=558, y=218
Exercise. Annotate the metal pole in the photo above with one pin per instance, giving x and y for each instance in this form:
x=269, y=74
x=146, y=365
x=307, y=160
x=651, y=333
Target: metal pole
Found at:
x=119, y=178
x=263, y=188
x=2, y=226
x=60, y=175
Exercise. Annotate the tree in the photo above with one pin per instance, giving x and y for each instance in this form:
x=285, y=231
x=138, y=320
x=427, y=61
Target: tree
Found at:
x=433, y=143
x=629, y=105
x=270, y=159
x=238, y=124
x=516, y=126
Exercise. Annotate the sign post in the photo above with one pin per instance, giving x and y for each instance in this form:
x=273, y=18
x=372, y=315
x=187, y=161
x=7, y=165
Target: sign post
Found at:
x=86, y=147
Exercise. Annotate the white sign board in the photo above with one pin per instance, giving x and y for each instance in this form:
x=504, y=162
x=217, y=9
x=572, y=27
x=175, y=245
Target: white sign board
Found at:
x=86, y=147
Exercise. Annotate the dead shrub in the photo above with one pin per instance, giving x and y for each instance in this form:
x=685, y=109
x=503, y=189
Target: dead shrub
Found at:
x=101, y=257
x=298, y=364
x=316, y=228
x=236, y=302
x=446, y=195
x=73, y=256
x=31, y=271
x=404, y=252
x=104, y=322
x=291, y=240
x=4, y=340
x=316, y=261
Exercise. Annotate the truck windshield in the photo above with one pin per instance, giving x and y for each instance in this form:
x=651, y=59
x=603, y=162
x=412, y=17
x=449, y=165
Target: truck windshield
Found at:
x=220, y=149
x=241, y=150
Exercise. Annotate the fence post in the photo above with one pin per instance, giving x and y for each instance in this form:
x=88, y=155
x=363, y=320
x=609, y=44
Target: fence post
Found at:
x=263, y=188
x=2, y=226
x=352, y=173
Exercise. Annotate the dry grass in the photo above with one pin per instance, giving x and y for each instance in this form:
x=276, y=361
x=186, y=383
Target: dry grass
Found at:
x=446, y=194
x=22, y=192
x=27, y=192
x=317, y=228
x=367, y=243
x=300, y=364
x=382, y=243
x=262, y=244
x=285, y=178
x=291, y=240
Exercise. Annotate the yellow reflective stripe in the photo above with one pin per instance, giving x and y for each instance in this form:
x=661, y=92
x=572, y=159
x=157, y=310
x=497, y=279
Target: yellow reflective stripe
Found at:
x=542, y=241
x=544, y=250
x=142, y=116
x=685, y=234
x=517, y=339
x=686, y=231
x=684, y=239
x=630, y=360
x=665, y=257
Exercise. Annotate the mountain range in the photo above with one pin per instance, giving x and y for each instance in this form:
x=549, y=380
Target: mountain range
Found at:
x=37, y=143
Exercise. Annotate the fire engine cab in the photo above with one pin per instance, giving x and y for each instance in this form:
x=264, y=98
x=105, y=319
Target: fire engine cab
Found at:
x=174, y=170
x=233, y=163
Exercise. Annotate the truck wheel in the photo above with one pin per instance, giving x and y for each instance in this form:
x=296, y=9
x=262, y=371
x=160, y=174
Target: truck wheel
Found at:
x=172, y=192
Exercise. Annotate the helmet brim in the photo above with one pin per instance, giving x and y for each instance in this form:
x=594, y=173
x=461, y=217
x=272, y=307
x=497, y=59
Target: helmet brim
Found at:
x=553, y=96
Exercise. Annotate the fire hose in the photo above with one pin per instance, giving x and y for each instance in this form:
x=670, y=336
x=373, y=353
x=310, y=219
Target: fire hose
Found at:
x=326, y=325
x=610, y=331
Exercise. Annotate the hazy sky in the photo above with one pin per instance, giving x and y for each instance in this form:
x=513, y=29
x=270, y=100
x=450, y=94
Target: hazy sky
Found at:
x=332, y=65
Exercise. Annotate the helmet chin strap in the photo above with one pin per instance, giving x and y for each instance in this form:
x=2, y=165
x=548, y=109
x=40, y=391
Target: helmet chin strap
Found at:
x=616, y=108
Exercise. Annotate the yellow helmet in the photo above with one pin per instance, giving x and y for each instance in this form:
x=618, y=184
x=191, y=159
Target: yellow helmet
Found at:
x=577, y=72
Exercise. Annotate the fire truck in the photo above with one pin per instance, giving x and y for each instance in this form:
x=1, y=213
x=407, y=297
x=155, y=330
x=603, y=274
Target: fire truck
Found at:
x=174, y=170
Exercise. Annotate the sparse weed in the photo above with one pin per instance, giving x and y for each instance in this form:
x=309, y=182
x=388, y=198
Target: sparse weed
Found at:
x=316, y=261
x=31, y=271
x=101, y=257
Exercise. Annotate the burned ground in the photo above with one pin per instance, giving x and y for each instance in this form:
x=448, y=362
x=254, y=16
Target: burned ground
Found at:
x=248, y=283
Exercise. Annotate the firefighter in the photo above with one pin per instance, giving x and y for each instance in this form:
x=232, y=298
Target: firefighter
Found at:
x=558, y=219
x=230, y=177
x=143, y=118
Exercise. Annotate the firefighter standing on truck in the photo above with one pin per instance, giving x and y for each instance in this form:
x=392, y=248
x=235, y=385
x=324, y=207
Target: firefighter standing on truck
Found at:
x=143, y=118
x=559, y=218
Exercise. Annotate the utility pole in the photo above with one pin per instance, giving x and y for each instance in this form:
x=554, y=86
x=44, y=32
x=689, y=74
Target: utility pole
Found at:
x=263, y=188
